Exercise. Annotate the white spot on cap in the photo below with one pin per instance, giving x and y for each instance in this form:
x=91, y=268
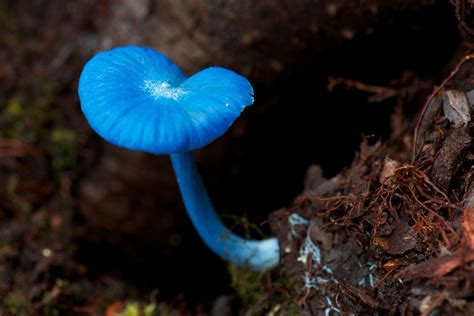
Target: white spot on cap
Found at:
x=162, y=89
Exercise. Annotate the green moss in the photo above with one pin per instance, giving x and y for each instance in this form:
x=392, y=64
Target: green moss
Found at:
x=164, y=310
x=131, y=309
x=3, y=15
x=17, y=303
x=246, y=283
x=249, y=286
x=12, y=184
x=13, y=108
x=51, y=311
x=149, y=309
x=292, y=309
x=63, y=149
x=144, y=309
x=61, y=282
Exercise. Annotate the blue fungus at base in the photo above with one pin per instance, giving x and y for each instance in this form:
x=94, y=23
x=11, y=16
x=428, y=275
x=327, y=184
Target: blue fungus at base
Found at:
x=135, y=97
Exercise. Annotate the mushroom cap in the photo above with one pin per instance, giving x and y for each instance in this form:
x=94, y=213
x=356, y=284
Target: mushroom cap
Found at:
x=135, y=97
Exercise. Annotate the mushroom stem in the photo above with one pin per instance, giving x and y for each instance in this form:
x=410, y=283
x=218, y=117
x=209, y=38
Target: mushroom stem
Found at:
x=253, y=254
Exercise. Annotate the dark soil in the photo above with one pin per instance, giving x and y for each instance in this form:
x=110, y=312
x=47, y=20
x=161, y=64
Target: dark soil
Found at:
x=387, y=235
x=384, y=223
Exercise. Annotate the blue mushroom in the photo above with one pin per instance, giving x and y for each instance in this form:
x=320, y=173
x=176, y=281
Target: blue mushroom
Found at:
x=135, y=97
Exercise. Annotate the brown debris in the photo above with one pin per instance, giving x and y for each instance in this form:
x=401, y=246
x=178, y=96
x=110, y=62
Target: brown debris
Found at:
x=437, y=267
x=388, y=170
x=391, y=265
x=360, y=295
x=401, y=233
x=456, y=107
x=403, y=239
x=449, y=157
x=468, y=227
x=436, y=91
x=467, y=223
x=430, y=302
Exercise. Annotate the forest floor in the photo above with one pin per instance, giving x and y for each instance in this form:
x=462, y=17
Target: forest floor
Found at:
x=393, y=233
